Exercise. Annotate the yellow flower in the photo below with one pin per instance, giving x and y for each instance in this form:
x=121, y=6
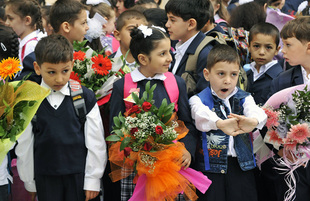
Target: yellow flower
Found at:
x=8, y=67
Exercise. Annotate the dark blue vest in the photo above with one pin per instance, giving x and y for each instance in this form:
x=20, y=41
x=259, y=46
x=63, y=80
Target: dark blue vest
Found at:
x=59, y=145
x=213, y=146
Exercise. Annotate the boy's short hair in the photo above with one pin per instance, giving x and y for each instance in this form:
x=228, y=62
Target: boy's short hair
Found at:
x=265, y=28
x=187, y=9
x=65, y=11
x=298, y=28
x=128, y=15
x=222, y=53
x=53, y=49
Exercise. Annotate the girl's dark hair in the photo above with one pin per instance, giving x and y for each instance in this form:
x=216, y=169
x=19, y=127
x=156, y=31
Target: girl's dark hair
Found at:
x=129, y=3
x=144, y=45
x=30, y=8
x=9, y=43
x=156, y=16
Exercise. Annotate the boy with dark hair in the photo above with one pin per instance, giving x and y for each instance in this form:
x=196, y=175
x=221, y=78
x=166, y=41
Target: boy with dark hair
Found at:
x=225, y=115
x=263, y=45
x=124, y=24
x=185, y=20
x=69, y=18
x=62, y=153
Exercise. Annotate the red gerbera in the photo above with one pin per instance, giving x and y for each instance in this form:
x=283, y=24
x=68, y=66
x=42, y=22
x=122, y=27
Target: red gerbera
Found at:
x=101, y=65
x=299, y=133
x=75, y=76
x=79, y=55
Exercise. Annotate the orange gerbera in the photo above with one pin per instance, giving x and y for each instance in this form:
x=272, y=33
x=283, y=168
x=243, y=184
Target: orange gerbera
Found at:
x=9, y=67
x=79, y=55
x=101, y=65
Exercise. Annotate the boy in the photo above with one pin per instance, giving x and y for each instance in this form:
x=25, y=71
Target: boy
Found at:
x=124, y=24
x=225, y=115
x=60, y=155
x=296, y=51
x=185, y=20
x=69, y=18
x=264, y=45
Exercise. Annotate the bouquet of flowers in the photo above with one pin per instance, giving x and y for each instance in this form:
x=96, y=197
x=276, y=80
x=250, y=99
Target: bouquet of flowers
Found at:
x=145, y=141
x=19, y=102
x=96, y=71
x=288, y=128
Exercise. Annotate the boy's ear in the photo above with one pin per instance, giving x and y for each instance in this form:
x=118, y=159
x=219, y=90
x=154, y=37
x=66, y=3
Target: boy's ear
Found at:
x=308, y=47
x=116, y=35
x=37, y=68
x=143, y=59
x=192, y=24
x=206, y=74
x=65, y=27
x=278, y=49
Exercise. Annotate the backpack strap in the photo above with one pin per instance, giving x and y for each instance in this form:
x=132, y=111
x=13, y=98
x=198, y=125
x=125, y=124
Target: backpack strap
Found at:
x=170, y=84
x=76, y=92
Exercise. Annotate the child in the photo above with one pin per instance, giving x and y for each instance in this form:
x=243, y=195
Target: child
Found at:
x=124, y=24
x=65, y=154
x=152, y=53
x=218, y=112
x=46, y=20
x=264, y=45
x=295, y=36
x=221, y=14
x=210, y=26
x=69, y=18
x=123, y=5
x=185, y=20
x=24, y=16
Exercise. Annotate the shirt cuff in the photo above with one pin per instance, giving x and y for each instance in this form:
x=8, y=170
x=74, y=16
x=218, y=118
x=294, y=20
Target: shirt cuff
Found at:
x=91, y=184
x=30, y=186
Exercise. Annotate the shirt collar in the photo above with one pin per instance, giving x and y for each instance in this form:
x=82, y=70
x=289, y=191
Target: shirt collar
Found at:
x=263, y=69
x=65, y=90
x=180, y=47
x=138, y=76
x=27, y=38
x=304, y=75
x=228, y=97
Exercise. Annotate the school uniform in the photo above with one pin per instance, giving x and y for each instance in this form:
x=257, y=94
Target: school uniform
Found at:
x=58, y=155
x=29, y=68
x=231, y=160
x=292, y=77
x=118, y=105
x=181, y=56
x=259, y=82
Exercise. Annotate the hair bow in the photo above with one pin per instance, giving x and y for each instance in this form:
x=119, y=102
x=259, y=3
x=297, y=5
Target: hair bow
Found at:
x=145, y=30
x=96, y=2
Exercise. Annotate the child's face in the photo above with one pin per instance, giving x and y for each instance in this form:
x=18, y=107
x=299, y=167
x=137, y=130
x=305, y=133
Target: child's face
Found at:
x=14, y=21
x=124, y=34
x=177, y=28
x=56, y=76
x=223, y=78
x=79, y=28
x=278, y=4
x=120, y=7
x=263, y=48
x=295, y=52
x=158, y=61
x=109, y=27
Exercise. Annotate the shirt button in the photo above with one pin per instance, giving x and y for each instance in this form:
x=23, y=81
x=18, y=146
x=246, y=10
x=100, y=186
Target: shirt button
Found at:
x=55, y=106
x=223, y=171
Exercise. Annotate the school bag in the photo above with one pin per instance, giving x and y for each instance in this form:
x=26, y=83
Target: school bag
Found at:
x=77, y=96
x=190, y=73
x=170, y=84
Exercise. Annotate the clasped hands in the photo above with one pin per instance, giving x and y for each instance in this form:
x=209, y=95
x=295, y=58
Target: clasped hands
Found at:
x=236, y=124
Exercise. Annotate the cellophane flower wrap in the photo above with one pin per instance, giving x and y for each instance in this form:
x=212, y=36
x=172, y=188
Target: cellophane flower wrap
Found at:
x=145, y=141
x=95, y=70
x=19, y=101
x=288, y=120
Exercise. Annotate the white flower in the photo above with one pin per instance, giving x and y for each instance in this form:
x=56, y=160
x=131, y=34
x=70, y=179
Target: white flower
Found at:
x=145, y=30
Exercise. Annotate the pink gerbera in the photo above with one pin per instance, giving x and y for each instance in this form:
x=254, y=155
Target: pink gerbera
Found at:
x=272, y=117
x=290, y=144
x=274, y=137
x=299, y=133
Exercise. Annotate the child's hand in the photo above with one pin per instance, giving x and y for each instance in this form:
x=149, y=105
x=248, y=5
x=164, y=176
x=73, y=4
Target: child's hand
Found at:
x=185, y=160
x=229, y=126
x=246, y=124
x=91, y=195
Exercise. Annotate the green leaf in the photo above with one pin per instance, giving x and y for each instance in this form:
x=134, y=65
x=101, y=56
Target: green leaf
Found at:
x=116, y=122
x=124, y=143
x=166, y=118
x=119, y=133
x=113, y=138
x=144, y=96
x=153, y=88
x=147, y=86
x=135, y=98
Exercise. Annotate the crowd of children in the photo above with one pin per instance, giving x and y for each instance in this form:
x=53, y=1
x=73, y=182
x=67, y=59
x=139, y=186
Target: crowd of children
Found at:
x=62, y=155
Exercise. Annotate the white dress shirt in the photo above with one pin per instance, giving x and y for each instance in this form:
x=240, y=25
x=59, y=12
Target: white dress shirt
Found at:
x=131, y=66
x=205, y=119
x=262, y=69
x=305, y=76
x=94, y=141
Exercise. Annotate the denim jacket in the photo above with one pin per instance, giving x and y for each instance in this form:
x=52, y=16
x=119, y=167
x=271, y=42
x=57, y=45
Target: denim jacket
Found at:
x=213, y=146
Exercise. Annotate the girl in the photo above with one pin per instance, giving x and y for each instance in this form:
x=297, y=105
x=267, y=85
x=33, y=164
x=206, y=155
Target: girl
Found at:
x=104, y=39
x=151, y=49
x=221, y=14
x=24, y=16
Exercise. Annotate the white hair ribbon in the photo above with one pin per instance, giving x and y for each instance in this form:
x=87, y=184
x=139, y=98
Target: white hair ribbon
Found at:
x=145, y=30
x=95, y=27
x=96, y=2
